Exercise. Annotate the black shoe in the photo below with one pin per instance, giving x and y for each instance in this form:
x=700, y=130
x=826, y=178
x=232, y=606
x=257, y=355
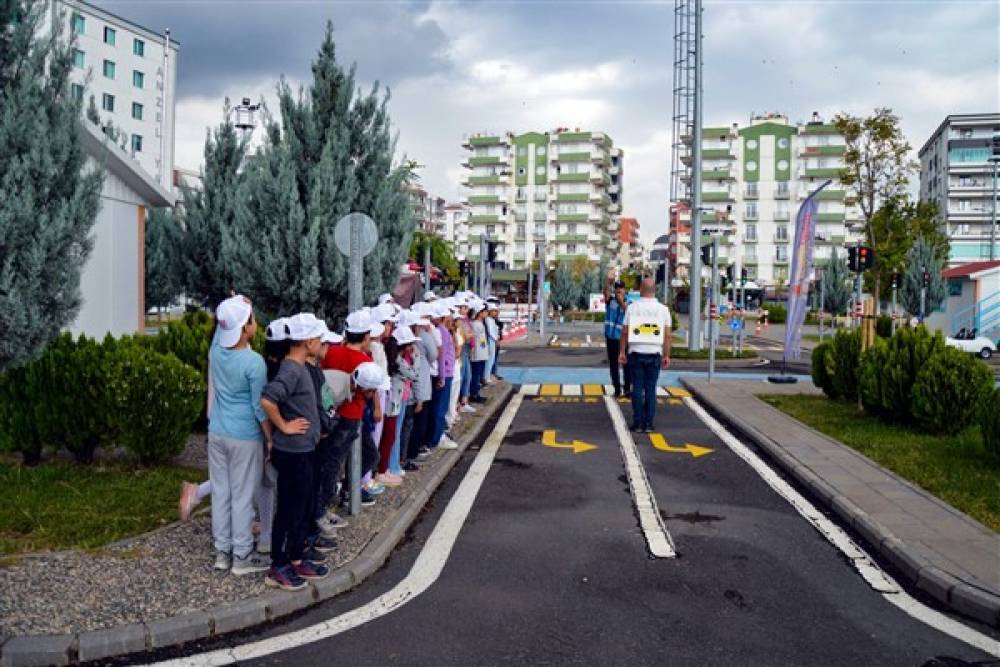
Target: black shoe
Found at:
x=477, y=399
x=323, y=544
x=410, y=466
x=635, y=428
x=313, y=554
x=649, y=429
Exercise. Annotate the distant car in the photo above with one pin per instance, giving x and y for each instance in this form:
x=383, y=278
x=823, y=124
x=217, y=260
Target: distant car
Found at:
x=969, y=342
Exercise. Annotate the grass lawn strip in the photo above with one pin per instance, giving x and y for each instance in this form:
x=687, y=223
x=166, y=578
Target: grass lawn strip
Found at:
x=720, y=353
x=956, y=469
x=60, y=505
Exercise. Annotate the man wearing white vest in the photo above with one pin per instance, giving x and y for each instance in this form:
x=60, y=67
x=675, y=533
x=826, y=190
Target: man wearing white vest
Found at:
x=645, y=347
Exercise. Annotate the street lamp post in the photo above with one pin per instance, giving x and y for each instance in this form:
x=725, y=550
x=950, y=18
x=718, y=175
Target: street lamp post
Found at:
x=995, y=159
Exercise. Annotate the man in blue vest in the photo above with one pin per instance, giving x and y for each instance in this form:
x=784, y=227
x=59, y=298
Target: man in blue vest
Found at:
x=614, y=315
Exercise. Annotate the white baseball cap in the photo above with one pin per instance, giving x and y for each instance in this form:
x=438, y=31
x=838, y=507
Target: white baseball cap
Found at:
x=410, y=319
x=383, y=313
x=385, y=297
x=332, y=338
x=441, y=310
x=358, y=322
x=376, y=330
x=231, y=315
x=277, y=330
x=305, y=326
x=404, y=335
x=430, y=296
x=369, y=375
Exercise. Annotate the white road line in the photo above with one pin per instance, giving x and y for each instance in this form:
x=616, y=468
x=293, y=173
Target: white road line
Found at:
x=425, y=571
x=878, y=579
x=571, y=390
x=609, y=389
x=529, y=389
x=662, y=392
x=653, y=528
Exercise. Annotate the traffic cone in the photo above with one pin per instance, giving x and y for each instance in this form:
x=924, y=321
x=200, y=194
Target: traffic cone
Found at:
x=758, y=326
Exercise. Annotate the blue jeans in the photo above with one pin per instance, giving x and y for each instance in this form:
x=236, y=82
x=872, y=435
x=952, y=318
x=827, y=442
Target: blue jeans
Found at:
x=645, y=369
x=478, y=375
x=466, y=373
x=441, y=399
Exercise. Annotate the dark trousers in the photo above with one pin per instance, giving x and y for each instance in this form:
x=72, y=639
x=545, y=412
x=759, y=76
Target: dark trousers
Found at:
x=405, y=430
x=441, y=400
x=369, y=450
x=342, y=440
x=614, y=349
x=478, y=371
x=419, y=432
x=295, y=504
x=324, y=479
x=645, y=374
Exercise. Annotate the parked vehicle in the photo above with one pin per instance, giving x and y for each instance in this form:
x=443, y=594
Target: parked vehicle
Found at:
x=967, y=340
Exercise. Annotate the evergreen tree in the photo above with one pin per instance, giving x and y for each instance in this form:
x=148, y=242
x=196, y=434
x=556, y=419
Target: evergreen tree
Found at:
x=164, y=282
x=273, y=246
x=207, y=212
x=565, y=288
x=897, y=224
x=836, y=285
x=48, y=198
x=920, y=257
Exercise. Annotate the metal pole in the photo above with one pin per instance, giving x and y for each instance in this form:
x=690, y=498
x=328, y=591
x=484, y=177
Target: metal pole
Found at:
x=666, y=281
x=993, y=229
x=894, y=316
x=531, y=280
x=822, y=304
x=858, y=303
x=355, y=297
x=543, y=298
x=694, y=338
x=713, y=303
x=427, y=264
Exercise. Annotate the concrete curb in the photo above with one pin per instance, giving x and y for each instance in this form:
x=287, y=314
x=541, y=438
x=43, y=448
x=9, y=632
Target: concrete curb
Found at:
x=945, y=587
x=44, y=650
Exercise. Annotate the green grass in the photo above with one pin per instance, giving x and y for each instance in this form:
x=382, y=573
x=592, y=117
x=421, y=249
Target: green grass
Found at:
x=956, y=469
x=721, y=352
x=62, y=505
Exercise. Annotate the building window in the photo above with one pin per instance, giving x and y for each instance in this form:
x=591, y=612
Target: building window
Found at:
x=540, y=170
x=522, y=150
x=571, y=248
x=540, y=150
x=782, y=187
x=77, y=91
x=79, y=58
x=781, y=232
x=751, y=190
x=571, y=228
x=136, y=111
x=751, y=210
x=138, y=47
x=751, y=232
x=966, y=133
x=520, y=231
x=109, y=36
x=109, y=69
x=521, y=171
x=751, y=165
x=79, y=24
x=108, y=102
x=136, y=143
x=491, y=229
x=781, y=253
x=138, y=79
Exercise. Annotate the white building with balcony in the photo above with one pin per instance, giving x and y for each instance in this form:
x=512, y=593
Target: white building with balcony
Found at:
x=132, y=74
x=561, y=190
x=957, y=172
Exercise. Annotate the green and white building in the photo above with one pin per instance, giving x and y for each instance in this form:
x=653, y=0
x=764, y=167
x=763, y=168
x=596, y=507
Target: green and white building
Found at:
x=756, y=177
x=561, y=190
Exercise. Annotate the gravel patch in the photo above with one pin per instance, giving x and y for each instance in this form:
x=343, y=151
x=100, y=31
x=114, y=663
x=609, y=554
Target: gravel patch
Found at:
x=160, y=574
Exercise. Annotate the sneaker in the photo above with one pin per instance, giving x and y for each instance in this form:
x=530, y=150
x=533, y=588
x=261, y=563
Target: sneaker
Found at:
x=335, y=519
x=264, y=547
x=325, y=527
x=223, y=561
x=310, y=570
x=285, y=579
x=467, y=408
x=367, y=499
x=410, y=466
x=447, y=443
x=424, y=454
x=649, y=429
x=375, y=488
x=254, y=562
x=388, y=479
x=324, y=544
x=477, y=399
x=188, y=500
x=314, y=555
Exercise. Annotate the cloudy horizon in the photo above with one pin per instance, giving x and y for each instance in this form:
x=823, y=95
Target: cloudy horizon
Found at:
x=456, y=68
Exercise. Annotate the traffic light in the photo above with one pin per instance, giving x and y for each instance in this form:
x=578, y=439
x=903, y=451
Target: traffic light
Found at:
x=491, y=251
x=852, y=258
x=661, y=273
x=895, y=279
x=926, y=278
x=463, y=267
x=866, y=258
x=730, y=273
x=743, y=276
x=706, y=255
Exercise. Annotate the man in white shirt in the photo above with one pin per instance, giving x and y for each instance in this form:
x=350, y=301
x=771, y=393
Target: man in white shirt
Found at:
x=646, y=336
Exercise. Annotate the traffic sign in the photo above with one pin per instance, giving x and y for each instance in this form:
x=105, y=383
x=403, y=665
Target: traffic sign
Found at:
x=342, y=234
x=735, y=324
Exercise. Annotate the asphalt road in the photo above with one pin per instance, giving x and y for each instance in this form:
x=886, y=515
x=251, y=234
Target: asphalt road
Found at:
x=550, y=567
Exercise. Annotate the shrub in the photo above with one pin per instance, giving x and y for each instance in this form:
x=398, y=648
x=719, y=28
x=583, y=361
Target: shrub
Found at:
x=157, y=399
x=883, y=326
x=187, y=339
x=776, y=314
x=908, y=352
x=842, y=364
x=870, y=374
x=18, y=430
x=821, y=378
x=949, y=390
x=989, y=421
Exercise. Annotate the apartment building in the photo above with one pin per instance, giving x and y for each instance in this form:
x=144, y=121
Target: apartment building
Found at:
x=559, y=190
x=457, y=228
x=132, y=73
x=429, y=215
x=957, y=166
x=755, y=178
x=631, y=252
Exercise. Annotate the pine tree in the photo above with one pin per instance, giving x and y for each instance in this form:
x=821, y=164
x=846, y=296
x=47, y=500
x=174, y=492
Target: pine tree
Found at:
x=565, y=288
x=921, y=256
x=273, y=246
x=164, y=282
x=49, y=198
x=207, y=212
x=836, y=285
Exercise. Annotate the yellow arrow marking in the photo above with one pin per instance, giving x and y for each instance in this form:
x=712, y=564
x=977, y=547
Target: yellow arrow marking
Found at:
x=578, y=446
x=660, y=443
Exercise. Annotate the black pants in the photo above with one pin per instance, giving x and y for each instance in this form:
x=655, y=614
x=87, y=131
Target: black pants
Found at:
x=422, y=423
x=406, y=430
x=369, y=451
x=295, y=505
x=341, y=442
x=614, y=348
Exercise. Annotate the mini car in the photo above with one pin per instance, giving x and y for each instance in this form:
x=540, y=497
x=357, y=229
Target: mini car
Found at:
x=646, y=330
x=968, y=341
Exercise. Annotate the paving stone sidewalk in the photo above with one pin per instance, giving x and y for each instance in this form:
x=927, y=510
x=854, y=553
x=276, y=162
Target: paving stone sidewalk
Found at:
x=159, y=589
x=944, y=552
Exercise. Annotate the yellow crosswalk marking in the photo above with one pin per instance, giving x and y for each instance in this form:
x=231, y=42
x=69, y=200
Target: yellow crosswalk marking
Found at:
x=593, y=390
x=679, y=393
x=550, y=390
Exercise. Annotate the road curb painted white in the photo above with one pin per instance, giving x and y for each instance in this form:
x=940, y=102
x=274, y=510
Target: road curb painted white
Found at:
x=653, y=529
x=878, y=579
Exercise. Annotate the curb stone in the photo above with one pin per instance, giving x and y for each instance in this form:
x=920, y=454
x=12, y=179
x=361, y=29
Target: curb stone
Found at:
x=45, y=650
x=943, y=586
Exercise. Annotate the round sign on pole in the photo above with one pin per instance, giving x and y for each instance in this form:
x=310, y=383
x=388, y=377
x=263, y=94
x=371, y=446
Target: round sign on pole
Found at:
x=342, y=233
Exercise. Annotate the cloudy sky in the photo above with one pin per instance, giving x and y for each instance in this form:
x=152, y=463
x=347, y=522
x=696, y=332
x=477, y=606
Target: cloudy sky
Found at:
x=455, y=68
